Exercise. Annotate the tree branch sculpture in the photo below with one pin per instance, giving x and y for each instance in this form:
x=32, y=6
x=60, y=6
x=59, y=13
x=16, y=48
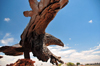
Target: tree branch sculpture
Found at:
x=34, y=39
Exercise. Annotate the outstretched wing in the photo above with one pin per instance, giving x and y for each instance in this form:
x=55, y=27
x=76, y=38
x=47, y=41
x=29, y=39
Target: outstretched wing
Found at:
x=14, y=50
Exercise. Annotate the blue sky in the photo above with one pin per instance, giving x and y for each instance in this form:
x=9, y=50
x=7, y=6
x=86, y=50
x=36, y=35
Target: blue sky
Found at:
x=77, y=25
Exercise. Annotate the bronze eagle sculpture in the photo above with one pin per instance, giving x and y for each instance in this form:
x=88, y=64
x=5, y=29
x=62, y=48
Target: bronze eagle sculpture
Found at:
x=34, y=38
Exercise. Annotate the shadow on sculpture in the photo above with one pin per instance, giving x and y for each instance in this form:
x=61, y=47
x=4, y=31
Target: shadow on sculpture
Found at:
x=34, y=39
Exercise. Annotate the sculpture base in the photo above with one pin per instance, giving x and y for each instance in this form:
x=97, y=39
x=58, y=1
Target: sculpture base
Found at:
x=22, y=62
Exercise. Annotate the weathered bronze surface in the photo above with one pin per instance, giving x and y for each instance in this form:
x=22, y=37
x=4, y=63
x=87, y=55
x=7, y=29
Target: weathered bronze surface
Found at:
x=34, y=39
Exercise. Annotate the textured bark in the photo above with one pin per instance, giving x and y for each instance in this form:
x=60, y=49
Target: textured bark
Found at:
x=34, y=39
x=22, y=62
x=10, y=50
x=17, y=49
x=34, y=35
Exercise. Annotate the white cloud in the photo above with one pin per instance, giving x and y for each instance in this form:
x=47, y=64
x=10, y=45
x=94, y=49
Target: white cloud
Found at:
x=67, y=55
x=67, y=44
x=13, y=59
x=7, y=39
x=40, y=63
x=76, y=44
x=72, y=55
x=96, y=52
x=97, y=47
x=7, y=35
x=90, y=21
x=7, y=19
x=69, y=38
x=9, y=59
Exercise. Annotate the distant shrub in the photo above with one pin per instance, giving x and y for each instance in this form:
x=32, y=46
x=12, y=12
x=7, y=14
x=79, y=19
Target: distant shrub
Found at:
x=59, y=64
x=70, y=64
x=77, y=63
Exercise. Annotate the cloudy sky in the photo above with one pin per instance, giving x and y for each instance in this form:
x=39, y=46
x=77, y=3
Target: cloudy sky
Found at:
x=77, y=25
